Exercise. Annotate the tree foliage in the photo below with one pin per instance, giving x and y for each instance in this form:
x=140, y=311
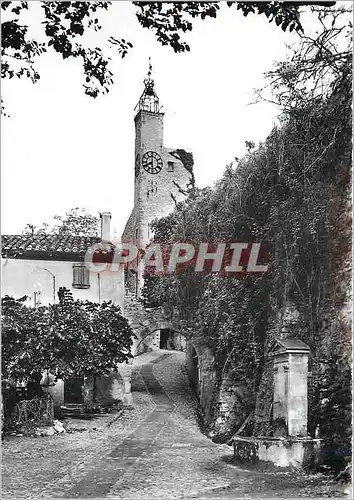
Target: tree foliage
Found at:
x=71, y=338
x=78, y=221
x=65, y=25
x=320, y=63
x=169, y=20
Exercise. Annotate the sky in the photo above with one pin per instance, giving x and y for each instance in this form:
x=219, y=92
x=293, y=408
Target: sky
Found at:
x=62, y=149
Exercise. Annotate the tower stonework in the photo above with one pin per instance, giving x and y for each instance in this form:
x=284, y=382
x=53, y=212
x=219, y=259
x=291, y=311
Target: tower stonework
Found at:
x=160, y=175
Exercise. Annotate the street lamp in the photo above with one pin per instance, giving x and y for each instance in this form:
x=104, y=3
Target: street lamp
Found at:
x=53, y=278
x=36, y=294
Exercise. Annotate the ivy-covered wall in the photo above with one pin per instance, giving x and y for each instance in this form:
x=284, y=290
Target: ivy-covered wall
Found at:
x=291, y=194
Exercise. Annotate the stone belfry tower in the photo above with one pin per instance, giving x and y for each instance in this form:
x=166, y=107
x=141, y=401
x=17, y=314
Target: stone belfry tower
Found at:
x=160, y=175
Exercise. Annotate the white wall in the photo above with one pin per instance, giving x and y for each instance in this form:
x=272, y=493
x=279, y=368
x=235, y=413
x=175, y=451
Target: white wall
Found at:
x=23, y=277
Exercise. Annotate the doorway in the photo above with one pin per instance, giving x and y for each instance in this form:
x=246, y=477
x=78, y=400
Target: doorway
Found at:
x=73, y=390
x=165, y=334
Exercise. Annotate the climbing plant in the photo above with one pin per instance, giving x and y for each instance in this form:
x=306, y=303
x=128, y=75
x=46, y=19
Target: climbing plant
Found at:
x=291, y=194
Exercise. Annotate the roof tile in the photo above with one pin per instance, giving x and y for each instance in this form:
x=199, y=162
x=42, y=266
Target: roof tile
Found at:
x=45, y=246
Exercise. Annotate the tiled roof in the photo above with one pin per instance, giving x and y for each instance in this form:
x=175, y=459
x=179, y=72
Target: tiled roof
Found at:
x=55, y=247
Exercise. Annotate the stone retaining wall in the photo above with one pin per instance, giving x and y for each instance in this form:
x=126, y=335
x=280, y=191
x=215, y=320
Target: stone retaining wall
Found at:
x=290, y=452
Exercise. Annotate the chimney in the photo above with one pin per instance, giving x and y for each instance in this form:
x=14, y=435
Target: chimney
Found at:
x=106, y=226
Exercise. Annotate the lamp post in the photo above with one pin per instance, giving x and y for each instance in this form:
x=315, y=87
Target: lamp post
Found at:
x=53, y=278
x=36, y=294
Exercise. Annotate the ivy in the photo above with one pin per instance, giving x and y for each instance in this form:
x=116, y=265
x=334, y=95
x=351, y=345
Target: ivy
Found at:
x=292, y=195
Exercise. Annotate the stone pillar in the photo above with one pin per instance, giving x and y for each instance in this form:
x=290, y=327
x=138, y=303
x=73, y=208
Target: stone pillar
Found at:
x=127, y=397
x=290, y=387
x=155, y=337
x=57, y=392
x=125, y=370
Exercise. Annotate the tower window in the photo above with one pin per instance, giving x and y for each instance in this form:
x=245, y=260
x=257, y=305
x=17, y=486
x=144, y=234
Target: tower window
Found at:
x=81, y=276
x=170, y=166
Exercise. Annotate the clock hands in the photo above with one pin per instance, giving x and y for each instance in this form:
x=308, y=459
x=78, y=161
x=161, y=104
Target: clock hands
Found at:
x=150, y=164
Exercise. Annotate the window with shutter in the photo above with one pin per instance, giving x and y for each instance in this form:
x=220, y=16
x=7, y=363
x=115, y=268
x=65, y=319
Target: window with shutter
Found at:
x=81, y=276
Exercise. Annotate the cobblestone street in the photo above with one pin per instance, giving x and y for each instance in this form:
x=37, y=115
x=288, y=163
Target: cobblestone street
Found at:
x=154, y=450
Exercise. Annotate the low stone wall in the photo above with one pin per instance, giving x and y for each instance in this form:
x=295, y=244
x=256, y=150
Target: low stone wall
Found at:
x=290, y=452
x=111, y=388
x=192, y=367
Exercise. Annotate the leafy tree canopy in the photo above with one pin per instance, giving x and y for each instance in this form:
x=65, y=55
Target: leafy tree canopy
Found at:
x=78, y=222
x=70, y=338
x=65, y=23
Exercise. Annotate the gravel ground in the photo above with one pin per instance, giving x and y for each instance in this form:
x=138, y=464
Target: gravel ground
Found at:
x=153, y=450
x=44, y=467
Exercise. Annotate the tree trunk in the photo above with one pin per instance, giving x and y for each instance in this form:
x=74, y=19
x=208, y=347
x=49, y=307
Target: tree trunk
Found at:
x=88, y=389
x=94, y=389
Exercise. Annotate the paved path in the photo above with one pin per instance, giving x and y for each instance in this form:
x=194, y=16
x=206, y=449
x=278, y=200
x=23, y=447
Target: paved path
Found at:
x=160, y=458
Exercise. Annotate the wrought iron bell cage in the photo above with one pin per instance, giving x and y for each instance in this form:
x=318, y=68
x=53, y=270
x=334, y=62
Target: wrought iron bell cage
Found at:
x=149, y=100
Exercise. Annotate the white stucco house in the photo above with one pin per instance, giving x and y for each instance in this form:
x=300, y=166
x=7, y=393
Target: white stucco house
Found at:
x=39, y=265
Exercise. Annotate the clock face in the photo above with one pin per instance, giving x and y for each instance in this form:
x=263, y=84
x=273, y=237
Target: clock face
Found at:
x=152, y=162
x=137, y=165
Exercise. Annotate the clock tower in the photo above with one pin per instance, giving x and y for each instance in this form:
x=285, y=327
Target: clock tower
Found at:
x=160, y=174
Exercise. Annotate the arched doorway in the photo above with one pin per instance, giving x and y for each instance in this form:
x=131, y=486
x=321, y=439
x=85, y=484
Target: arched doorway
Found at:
x=165, y=338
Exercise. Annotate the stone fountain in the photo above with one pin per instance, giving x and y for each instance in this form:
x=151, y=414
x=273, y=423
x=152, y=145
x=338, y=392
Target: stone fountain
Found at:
x=290, y=444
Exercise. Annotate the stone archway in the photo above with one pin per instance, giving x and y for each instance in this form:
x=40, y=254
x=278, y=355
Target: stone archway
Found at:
x=164, y=337
x=147, y=324
x=199, y=358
